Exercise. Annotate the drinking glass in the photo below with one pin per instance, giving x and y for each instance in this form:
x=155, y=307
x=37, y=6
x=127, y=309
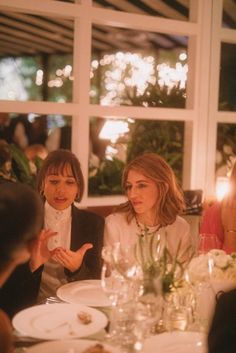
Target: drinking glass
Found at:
x=150, y=300
x=207, y=242
x=179, y=308
x=111, y=284
x=124, y=260
x=116, y=287
x=205, y=304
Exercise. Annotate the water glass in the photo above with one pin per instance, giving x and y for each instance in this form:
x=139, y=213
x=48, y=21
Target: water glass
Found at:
x=205, y=304
x=179, y=308
x=176, y=318
x=207, y=242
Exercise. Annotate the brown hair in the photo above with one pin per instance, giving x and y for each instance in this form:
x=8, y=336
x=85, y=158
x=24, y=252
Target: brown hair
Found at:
x=56, y=162
x=171, y=200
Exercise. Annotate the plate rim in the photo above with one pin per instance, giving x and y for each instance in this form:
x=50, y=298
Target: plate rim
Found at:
x=86, y=340
x=101, y=322
x=83, y=285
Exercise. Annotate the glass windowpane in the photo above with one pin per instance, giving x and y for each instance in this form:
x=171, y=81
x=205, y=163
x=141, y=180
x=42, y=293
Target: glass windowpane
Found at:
x=114, y=142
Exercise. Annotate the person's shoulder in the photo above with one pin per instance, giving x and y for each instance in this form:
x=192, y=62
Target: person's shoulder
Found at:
x=180, y=221
x=116, y=217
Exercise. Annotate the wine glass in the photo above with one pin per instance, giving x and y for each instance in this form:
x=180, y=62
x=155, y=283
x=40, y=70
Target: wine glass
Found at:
x=113, y=285
x=207, y=242
x=199, y=275
x=125, y=261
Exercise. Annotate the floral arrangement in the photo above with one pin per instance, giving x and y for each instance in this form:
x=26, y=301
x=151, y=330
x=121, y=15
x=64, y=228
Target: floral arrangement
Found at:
x=215, y=265
x=155, y=259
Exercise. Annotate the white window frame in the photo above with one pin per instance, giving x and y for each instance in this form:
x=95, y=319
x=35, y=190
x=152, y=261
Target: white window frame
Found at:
x=201, y=115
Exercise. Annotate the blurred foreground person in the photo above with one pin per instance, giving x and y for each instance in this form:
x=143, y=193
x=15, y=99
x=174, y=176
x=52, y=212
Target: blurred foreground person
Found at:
x=21, y=217
x=221, y=336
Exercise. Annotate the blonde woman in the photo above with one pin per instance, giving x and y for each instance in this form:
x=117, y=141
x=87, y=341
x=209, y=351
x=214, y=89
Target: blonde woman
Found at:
x=154, y=201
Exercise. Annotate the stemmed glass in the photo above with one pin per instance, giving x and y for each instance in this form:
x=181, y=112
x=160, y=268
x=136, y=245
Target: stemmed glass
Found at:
x=199, y=276
x=112, y=284
x=124, y=260
x=148, y=309
x=207, y=242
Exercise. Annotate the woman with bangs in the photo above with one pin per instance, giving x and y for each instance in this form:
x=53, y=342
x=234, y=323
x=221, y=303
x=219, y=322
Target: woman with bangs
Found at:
x=70, y=242
x=75, y=250
x=154, y=203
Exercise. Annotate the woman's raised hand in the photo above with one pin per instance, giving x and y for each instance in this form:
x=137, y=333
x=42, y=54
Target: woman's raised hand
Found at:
x=69, y=259
x=39, y=249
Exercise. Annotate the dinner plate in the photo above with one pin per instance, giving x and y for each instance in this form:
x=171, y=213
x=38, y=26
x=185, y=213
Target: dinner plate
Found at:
x=58, y=321
x=69, y=346
x=176, y=342
x=88, y=292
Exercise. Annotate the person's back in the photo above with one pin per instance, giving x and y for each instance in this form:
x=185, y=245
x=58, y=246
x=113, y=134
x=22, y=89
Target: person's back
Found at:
x=21, y=215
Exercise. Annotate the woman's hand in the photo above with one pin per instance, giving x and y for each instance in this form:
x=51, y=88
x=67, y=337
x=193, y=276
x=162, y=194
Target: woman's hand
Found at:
x=39, y=249
x=71, y=260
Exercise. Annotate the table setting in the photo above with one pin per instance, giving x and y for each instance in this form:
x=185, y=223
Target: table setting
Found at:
x=145, y=302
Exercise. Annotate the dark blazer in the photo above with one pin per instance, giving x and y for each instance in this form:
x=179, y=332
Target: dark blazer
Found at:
x=22, y=287
x=222, y=332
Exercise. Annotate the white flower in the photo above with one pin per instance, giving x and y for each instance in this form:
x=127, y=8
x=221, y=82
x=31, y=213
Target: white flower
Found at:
x=198, y=269
x=222, y=261
x=216, y=265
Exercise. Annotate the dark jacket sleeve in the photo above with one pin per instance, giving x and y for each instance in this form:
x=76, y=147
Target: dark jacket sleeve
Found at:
x=87, y=227
x=20, y=290
x=222, y=332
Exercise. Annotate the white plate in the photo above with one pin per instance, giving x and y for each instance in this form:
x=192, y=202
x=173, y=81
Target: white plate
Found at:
x=57, y=321
x=70, y=346
x=88, y=292
x=176, y=342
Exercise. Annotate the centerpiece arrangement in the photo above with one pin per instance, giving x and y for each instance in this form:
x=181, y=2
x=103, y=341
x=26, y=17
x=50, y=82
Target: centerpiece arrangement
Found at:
x=155, y=259
x=217, y=267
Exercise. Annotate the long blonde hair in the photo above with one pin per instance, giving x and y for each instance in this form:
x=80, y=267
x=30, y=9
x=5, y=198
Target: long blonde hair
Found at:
x=171, y=200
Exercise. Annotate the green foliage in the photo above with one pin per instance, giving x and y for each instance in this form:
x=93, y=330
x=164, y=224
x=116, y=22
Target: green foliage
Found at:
x=157, y=96
x=107, y=180
x=155, y=259
x=226, y=143
x=162, y=137
x=64, y=92
x=26, y=70
x=147, y=252
x=20, y=166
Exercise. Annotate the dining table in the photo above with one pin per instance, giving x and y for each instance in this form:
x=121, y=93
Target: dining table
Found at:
x=54, y=326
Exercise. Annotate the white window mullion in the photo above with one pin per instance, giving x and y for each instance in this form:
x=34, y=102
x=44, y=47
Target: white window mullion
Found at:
x=81, y=87
x=217, y=10
x=200, y=161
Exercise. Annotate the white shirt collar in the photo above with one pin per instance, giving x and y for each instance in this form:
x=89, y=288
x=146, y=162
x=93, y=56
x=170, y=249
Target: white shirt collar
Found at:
x=52, y=213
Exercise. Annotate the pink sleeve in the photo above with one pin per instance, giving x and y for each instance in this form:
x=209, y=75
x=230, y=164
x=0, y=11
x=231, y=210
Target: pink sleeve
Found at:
x=211, y=222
